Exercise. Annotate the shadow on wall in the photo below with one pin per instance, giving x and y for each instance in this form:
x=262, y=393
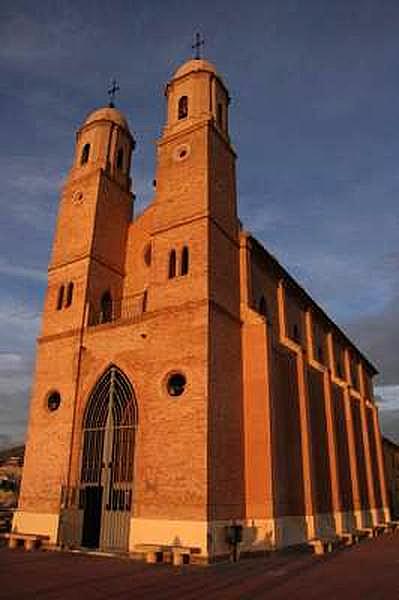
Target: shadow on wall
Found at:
x=256, y=540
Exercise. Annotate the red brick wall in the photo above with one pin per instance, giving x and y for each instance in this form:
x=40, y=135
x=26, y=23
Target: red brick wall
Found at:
x=373, y=455
x=343, y=461
x=360, y=455
x=287, y=470
x=319, y=442
x=225, y=417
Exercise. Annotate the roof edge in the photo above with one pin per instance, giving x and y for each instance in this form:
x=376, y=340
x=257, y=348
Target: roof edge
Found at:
x=308, y=299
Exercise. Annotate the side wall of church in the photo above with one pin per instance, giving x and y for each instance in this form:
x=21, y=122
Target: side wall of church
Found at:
x=342, y=446
x=286, y=433
x=324, y=441
x=319, y=442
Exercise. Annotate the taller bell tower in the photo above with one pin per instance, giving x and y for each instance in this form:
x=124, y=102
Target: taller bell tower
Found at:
x=196, y=208
x=196, y=143
x=195, y=199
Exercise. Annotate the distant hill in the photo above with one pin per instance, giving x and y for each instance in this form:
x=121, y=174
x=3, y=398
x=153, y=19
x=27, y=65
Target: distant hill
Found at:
x=7, y=453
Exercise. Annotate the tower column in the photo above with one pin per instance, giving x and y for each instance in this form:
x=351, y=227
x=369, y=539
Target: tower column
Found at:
x=366, y=442
x=381, y=466
x=305, y=428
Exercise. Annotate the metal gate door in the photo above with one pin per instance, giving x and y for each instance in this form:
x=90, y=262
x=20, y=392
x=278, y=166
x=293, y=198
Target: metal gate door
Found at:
x=106, y=482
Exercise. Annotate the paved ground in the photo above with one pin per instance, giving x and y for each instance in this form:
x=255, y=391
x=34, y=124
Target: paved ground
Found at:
x=369, y=571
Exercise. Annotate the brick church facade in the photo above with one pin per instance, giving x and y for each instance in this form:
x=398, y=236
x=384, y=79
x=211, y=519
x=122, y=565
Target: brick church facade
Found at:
x=184, y=381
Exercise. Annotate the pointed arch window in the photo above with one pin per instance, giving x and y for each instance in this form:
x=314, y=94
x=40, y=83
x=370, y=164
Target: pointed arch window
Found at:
x=320, y=353
x=354, y=374
x=119, y=159
x=183, y=107
x=145, y=300
x=296, y=335
x=172, y=264
x=184, y=266
x=220, y=115
x=112, y=402
x=85, y=154
x=69, y=294
x=60, y=297
x=338, y=369
x=106, y=307
x=263, y=306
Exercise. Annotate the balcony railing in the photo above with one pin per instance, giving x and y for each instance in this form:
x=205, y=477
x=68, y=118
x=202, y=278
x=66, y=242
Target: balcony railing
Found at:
x=130, y=308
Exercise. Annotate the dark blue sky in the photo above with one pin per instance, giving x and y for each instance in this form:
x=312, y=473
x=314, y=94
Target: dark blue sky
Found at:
x=314, y=116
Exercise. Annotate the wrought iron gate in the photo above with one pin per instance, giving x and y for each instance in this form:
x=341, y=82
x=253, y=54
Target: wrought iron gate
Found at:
x=106, y=480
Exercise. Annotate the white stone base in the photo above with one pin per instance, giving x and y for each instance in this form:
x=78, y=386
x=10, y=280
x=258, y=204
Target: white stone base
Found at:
x=70, y=527
x=382, y=515
x=259, y=535
x=168, y=532
x=36, y=523
x=376, y=516
x=290, y=531
x=345, y=522
x=386, y=512
x=325, y=525
x=364, y=519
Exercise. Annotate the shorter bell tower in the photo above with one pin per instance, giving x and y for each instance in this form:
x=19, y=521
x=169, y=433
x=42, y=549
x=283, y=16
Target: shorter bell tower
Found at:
x=86, y=266
x=95, y=210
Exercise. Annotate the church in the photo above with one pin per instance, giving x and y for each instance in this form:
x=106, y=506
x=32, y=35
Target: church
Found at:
x=185, y=384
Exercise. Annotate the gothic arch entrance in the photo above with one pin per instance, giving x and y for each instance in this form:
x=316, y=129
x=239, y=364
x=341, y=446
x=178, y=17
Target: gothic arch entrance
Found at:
x=107, y=465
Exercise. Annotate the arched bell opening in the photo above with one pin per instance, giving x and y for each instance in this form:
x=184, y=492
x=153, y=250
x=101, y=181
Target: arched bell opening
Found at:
x=106, y=314
x=107, y=464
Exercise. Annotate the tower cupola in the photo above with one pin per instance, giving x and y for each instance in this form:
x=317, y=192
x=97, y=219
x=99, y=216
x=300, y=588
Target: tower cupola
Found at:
x=196, y=93
x=105, y=142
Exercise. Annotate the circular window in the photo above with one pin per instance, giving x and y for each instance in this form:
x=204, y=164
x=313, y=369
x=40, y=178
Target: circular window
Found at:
x=176, y=384
x=147, y=254
x=53, y=401
x=181, y=152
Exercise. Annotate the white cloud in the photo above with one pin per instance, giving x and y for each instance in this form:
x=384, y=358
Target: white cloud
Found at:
x=30, y=187
x=20, y=271
x=260, y=219
x=15, y=373
x=389, y=395
x=27, y=39
x=37, y=183
x=19, y=325
x=10, y=360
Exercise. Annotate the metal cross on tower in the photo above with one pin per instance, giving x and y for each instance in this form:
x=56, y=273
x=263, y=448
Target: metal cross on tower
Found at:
x=197, y=45
x=112, y=91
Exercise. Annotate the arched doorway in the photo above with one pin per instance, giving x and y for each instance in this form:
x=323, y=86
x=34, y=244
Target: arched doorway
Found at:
x=106, y=479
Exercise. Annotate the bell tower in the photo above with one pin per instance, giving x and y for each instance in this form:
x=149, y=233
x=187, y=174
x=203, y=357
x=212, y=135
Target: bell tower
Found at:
x=195, y=215
x=195, y=157
x=195, y=203
x=94, y=213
